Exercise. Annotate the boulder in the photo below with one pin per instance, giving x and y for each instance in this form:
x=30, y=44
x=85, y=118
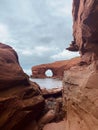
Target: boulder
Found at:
x=11, y=73
x=55, y=92
x=17, y=114
x=48, y=117
x=21, y=102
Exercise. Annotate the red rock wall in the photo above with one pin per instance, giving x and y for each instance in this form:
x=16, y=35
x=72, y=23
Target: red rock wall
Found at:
x=81, y=97
x=85, y=29
x=81, y=82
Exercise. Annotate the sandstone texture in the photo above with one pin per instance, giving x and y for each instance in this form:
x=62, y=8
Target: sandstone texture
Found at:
x=55, y=92
x=57, y=68
x=81, y=97
x=55, y=126
x=11, y=74
x=80, y=83
x=21, y=102
x=23, y=105
x=85, y=29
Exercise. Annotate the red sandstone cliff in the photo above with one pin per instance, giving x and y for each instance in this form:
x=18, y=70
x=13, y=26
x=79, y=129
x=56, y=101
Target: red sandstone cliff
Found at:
x=85, y=29
x=57, y=68
x=81, y=82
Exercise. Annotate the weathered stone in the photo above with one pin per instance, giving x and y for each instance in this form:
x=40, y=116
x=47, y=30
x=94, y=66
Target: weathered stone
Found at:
x=55, y=126
x=11, y=74
x=81, y=82
x=55, y=92
x=57, y=68
x=81, y=97
x=21, y=103
x=85, y=29
x=16, y=113
x=48, y=117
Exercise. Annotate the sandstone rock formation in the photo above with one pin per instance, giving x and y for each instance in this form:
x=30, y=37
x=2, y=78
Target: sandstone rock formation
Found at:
x=57, y=68
x=21, y=103
x=85, y=29
x=53, y=111
x=56, y=126
x=55, y=92
x=11, y=74
x=81, y=82
x=81, y=97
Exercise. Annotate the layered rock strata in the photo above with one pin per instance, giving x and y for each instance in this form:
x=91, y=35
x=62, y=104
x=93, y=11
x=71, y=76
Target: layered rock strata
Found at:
x=81, y=97
x=21, y=102
x=85, y=29
x=11, y=74
x=23, y=105
x=81, y=82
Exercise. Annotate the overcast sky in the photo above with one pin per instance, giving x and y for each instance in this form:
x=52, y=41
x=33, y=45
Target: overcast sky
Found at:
x=39, y=30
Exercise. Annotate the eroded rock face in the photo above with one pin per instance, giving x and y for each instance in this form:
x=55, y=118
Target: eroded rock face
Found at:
x=81, y=82
x=81, y=97
x=11, y=74
x=21, y=102
x=85, y=29
x=23, y=105
x=56, y=126
x=16, y=113
x=56, y=67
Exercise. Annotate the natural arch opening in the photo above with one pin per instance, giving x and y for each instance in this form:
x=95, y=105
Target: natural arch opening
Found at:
x=49, y=73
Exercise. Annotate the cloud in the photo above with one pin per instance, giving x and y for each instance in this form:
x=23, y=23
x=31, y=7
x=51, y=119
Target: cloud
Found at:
x=65, y=54
x=4, y=33
x=26, y=52
x=37, y=30
x=61, y=7
x=39, y=51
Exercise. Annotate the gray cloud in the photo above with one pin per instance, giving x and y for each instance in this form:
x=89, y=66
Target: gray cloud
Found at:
x=38, y=30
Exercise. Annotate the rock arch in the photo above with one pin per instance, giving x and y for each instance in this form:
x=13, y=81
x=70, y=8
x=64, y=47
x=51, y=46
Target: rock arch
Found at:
x=57, y=68
x=39, y=72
